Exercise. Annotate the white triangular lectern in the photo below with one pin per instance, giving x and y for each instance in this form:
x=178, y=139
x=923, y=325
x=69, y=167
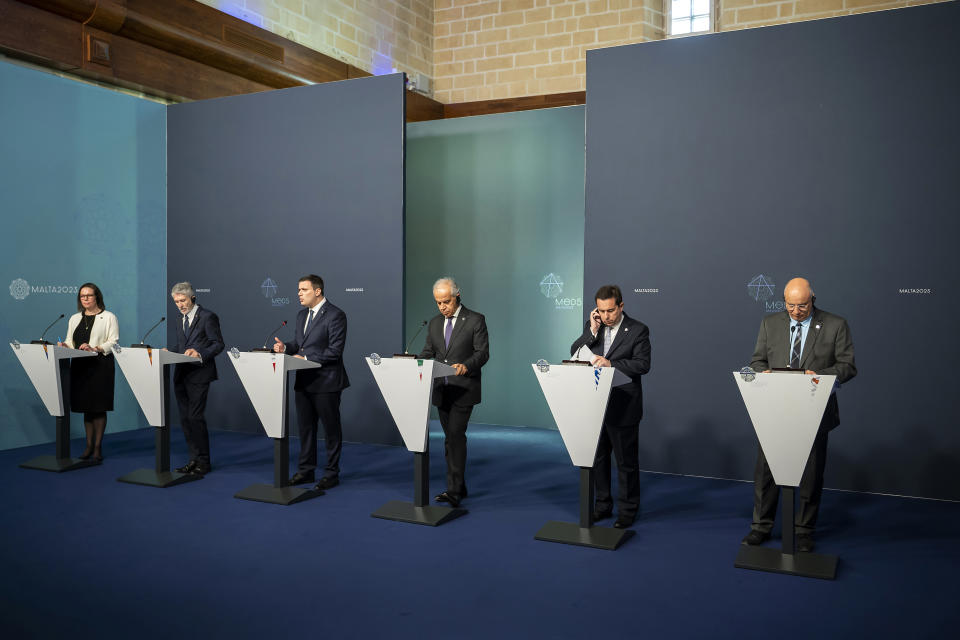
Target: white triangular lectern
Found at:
x=407, y=387
x=48, y=367
x=577, y=395
x=147, y=372
x=264, y=378
x=786, y=409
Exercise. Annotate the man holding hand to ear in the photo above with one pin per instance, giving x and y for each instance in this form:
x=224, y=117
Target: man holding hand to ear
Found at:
x=618, y=341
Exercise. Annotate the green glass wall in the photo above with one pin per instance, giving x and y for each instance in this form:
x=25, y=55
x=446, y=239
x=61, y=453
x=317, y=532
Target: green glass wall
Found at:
x=83, y=178
x=497, y=202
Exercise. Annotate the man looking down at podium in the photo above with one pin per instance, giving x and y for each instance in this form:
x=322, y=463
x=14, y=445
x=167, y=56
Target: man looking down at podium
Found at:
x=802, y=337
x=198, y=335
x=321, y=336
x=617, y=340
x=458, y=337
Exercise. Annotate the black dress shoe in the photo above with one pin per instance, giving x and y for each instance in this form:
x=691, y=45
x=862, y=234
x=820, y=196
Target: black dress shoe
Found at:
x=451, y=498
x=187, y=468
x=86, y=453
x=755, y=537
x=602, y=515
x=201, y=470
x=805, y=542
x=302, y=477
x=623, y=522
x=327, y=483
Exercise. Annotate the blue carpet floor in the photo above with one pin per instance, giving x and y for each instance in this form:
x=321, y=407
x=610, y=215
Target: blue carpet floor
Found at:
x=83, y=555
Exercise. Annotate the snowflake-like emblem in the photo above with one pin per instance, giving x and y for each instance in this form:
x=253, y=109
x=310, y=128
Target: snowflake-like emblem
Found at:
x=19, y=289
x=551, y=286
x=760, y=288
x=269, y=288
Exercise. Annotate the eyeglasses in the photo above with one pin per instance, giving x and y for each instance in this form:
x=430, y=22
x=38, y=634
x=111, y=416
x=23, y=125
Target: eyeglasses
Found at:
x=801, y=307
x=88, y=295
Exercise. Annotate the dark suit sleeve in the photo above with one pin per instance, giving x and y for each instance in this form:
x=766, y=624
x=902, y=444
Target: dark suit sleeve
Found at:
x=211, y=328
x=586, y=339
x=429, y=351
x=293, y=348
x=844, y=367
x=759, y=360
x=172, y=346
x=332, y=353
x=481, y=346
x=639, y=361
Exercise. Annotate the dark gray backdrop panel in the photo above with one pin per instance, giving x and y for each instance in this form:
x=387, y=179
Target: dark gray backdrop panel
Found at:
x=827, y=149
x=268, y=187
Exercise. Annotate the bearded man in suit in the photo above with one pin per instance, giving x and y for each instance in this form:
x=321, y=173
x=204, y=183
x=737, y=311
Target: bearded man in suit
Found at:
x=198, y=335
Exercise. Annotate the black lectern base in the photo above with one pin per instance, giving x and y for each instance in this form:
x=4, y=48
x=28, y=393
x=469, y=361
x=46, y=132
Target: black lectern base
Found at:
x=429, y=515
x=161, y=479
x=809, y=565
x=55, y=464
x=277, y=495
x=572, y=533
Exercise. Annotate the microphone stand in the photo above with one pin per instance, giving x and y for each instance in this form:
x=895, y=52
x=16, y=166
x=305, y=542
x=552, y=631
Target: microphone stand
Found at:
x=147, y=346
x=264, y=348
x=41, y=340
x=406, y=348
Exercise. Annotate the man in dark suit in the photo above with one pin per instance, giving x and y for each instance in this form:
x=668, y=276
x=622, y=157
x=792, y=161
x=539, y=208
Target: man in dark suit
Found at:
x=458, y=337
x=321, y=336
x=618, y=341
x=198, y=335
x=803, y=337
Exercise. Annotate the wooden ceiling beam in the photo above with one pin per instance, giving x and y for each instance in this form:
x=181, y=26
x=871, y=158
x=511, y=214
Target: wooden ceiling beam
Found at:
x=184, y=50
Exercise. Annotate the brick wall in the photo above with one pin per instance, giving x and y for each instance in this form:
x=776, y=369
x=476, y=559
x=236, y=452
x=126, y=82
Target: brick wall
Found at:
x=374, y=35
x=741, y=14
x=485, y=49
x=488, y=49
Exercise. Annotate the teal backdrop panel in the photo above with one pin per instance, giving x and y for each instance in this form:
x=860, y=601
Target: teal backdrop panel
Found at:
x=497, y=202
x=83, y=178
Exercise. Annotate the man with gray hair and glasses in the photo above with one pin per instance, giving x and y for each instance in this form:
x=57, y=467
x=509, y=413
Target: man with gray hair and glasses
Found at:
x=456, y=336
x=198, y=335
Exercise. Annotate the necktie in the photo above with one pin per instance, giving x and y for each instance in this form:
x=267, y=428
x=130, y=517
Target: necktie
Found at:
x=186, y=324
x=607, y=340
x=309, y=321
x=795, y=351
x=447, y=332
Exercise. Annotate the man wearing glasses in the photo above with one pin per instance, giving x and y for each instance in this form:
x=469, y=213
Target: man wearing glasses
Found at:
x=819, y=343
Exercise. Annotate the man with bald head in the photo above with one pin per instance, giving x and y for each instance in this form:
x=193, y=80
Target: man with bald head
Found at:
x=456, y=336
x=802, y=337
